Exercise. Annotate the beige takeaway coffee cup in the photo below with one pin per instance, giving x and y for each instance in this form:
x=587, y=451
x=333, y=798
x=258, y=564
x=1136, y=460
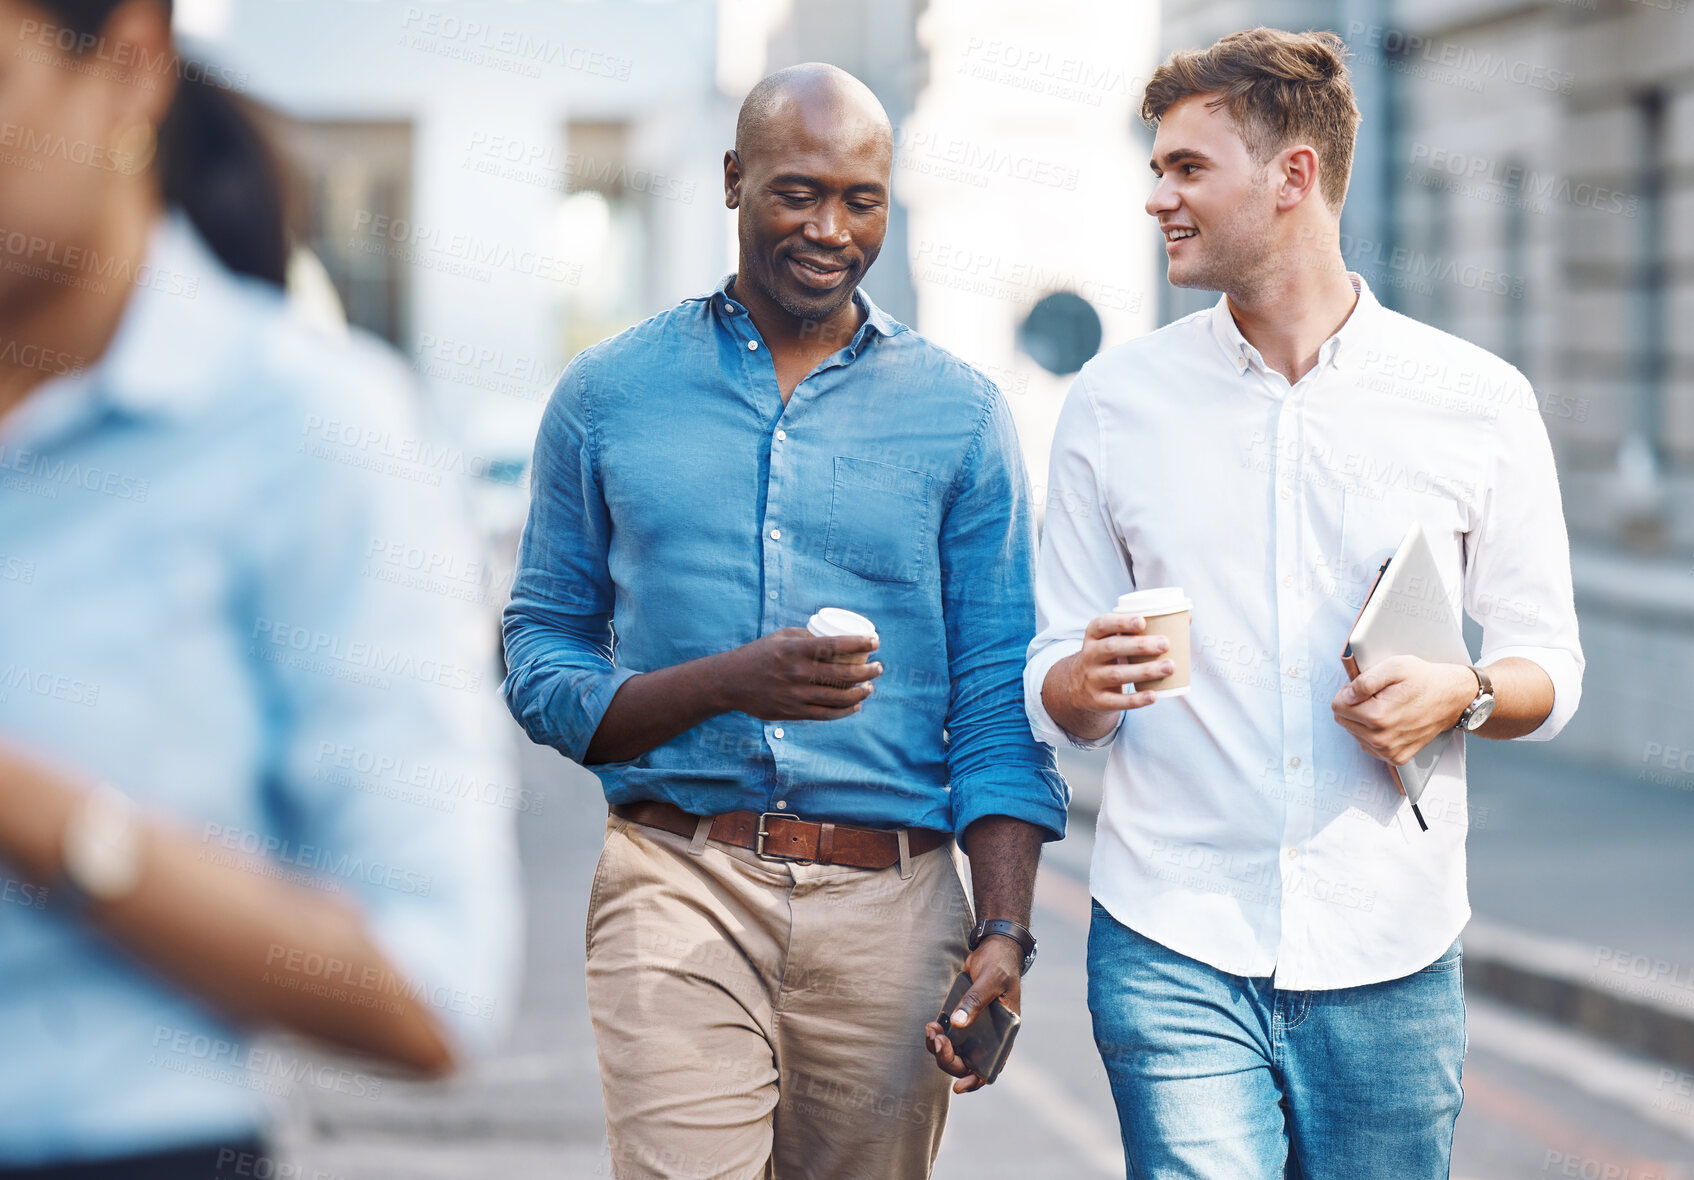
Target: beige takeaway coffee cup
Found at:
x=834, y=620
x=1168, y=612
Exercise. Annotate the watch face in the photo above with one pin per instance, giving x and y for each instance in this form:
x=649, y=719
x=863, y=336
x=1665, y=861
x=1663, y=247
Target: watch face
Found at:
x=1480, y=713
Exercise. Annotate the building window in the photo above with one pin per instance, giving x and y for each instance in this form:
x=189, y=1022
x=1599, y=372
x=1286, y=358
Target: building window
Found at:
x=356, y=180
x=600, y=223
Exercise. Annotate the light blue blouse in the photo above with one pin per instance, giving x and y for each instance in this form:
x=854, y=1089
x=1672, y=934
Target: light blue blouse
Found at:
x=236, y=582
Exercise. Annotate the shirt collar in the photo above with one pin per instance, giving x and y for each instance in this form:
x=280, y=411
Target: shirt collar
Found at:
x=1346, y=348
x=876, y=320
x=180, y=331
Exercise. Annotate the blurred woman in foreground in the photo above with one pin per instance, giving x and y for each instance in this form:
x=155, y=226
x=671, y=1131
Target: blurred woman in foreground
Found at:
x=248, y=777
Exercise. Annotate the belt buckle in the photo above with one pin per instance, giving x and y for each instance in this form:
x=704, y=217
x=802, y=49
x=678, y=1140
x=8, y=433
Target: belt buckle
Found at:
x=763, y=832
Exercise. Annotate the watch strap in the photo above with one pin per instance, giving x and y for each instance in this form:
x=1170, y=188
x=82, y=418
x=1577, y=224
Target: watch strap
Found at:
x=1005, y=927
x=1484, y=686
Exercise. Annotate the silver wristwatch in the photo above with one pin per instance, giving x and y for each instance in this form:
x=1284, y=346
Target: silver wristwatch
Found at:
x=102, y=846
x=1478, y=712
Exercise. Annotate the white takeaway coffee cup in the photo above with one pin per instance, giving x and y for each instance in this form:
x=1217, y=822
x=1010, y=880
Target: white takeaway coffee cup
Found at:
x=1168, y=612
x=835, y=620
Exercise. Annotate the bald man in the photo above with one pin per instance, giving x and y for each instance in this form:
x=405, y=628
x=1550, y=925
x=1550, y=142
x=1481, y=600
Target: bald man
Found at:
x=778, y=911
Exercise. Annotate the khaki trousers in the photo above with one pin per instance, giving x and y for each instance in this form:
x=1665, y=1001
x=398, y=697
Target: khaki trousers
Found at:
x=762, y=1019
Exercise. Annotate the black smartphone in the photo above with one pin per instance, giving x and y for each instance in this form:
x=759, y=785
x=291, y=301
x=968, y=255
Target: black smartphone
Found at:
x=986, y=1041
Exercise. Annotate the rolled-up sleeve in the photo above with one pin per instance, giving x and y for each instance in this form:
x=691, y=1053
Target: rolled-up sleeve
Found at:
x=558, y=628
x=1518, y=575
x=1083, y=568
x=987, y=550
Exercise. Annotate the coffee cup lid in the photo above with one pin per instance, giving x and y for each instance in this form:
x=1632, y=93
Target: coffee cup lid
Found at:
x=1161, y=600
x=835, y=620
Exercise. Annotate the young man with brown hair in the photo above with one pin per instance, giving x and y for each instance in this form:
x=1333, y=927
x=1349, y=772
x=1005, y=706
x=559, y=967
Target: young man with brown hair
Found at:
x=1274, y=958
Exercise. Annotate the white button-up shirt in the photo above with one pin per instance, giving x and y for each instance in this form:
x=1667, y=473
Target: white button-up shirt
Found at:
x=1241, y=825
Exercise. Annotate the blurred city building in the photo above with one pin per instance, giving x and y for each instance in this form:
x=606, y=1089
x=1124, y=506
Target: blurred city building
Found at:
x=1523, y=180
x=492, y=187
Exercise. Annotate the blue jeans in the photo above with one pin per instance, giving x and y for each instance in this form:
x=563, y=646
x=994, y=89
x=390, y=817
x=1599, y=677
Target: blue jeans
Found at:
x=1225, y=1077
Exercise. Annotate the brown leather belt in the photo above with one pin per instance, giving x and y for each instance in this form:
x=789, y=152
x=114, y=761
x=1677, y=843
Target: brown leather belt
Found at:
x=778, y=836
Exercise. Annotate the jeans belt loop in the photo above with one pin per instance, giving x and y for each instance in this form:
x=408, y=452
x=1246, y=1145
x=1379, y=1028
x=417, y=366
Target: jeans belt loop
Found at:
x=702, y=830
x=904, y=841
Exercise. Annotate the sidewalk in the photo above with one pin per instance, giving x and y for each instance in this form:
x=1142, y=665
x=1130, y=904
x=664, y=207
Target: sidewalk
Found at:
x=1580, y=879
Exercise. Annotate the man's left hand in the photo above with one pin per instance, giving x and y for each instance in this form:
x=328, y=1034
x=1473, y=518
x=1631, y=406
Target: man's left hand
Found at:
x=995, y=968
x=1396, y=708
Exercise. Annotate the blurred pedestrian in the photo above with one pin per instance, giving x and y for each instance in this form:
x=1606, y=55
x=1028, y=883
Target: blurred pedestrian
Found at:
x=252, y=773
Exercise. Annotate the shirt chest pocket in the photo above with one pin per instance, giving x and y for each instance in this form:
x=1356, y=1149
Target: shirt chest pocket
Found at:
x=881, y=521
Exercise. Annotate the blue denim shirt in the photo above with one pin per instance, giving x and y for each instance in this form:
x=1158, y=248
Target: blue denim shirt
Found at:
x=681, y=509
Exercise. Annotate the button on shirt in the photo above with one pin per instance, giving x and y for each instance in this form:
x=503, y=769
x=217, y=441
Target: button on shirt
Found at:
x=225, y=590
x=681, y=509
x=1241, y=825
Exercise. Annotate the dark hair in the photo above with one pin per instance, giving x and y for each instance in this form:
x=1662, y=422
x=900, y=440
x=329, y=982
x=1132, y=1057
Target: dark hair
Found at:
x=214, y=159
x=1279, y=88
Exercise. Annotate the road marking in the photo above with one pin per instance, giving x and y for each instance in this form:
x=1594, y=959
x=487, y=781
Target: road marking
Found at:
x=1639, y=1087
x=1046, y=1097
x=1503, y=1104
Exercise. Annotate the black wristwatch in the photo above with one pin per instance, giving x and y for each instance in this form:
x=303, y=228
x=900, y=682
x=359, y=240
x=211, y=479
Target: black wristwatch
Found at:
x=1006, y=928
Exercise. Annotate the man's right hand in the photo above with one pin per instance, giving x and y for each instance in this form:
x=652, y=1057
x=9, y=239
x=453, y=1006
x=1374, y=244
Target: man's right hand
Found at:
x=1085, y=692
x=786, y=676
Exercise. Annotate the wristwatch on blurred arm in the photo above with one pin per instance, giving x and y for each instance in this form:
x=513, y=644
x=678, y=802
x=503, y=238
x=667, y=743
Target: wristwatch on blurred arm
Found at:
x=102, y=846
